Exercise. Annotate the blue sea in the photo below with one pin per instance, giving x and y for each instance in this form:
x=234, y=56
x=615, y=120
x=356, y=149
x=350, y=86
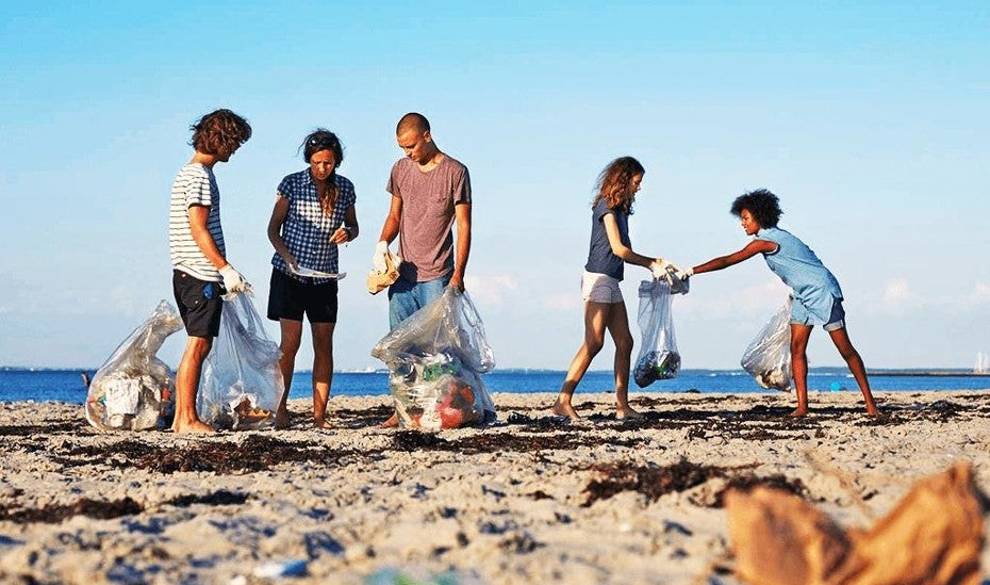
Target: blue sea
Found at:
x=67, y=385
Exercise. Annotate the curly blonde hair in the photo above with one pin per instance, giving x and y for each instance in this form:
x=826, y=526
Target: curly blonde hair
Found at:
x=220, y=132
x=613, y=183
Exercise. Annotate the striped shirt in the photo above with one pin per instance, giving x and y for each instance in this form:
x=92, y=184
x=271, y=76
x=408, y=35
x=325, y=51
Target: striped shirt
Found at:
x=194, y=185
x=306, y=230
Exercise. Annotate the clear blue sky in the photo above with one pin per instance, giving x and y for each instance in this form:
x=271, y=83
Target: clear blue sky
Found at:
x=870, y=122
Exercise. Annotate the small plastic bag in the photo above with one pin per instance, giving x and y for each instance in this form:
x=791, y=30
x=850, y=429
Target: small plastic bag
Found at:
x=436, y=357
x=768, y=356
x=242, y=384
x=658, y=356
x=133, y=389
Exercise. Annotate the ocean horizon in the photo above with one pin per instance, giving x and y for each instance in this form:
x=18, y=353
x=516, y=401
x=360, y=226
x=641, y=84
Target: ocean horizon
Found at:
x=66, y=384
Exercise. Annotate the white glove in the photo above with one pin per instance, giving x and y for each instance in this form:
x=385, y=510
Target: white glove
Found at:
x=378, y=258
x=683, y=274
x=232, y=280
x=659, y=268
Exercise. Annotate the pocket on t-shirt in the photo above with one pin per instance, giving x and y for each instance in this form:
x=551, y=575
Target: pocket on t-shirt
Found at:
x=440, y=197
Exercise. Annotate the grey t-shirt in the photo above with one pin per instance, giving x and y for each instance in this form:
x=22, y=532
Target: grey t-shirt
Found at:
x=426, y=242
x=600, y=256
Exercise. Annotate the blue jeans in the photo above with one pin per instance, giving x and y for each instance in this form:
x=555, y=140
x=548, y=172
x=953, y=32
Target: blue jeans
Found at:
x=405, y=297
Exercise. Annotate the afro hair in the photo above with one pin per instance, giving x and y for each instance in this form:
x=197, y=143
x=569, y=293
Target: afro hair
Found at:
x=761, y=204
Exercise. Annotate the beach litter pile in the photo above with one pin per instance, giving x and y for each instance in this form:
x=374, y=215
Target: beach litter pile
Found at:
x=133, y=389
x=658, y=356
x=768, y=357
x=934, y=536
x=436, y=358
x=242, y=383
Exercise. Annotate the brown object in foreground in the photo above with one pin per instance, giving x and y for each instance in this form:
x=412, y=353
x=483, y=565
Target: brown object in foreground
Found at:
x=934, y=536
x=379, y=281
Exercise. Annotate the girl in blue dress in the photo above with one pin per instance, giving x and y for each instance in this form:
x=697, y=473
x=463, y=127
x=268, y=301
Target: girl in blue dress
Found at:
x=817, y=298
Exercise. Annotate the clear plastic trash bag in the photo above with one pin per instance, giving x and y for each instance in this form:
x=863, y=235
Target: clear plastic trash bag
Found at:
x=768, y=356
x=133, y=389
x=658, y=356
x=241, y=384
x=436, y=358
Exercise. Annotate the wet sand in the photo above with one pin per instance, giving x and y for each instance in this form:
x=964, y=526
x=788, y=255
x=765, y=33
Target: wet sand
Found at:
x=528, y=499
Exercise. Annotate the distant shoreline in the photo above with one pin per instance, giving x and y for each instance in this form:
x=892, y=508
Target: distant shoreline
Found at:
x=929, y=374
x=820, y=370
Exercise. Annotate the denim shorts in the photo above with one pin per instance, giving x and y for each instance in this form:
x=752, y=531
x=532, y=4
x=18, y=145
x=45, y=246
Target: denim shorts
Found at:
x=836, y=319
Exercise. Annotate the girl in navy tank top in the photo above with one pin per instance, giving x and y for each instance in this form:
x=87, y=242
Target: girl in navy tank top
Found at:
x=604, y=307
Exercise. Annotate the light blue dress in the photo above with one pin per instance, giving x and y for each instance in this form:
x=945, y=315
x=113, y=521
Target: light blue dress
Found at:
x=815, y=289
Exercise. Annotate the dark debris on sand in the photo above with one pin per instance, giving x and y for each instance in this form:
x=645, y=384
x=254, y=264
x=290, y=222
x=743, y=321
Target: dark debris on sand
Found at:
x=349, y=418
x=655, y=481
x=254, y=453
x=217, y=498
x=48, y=428
x=763, y=422
x=110, y=509
x=496, y=442
x=55, y=513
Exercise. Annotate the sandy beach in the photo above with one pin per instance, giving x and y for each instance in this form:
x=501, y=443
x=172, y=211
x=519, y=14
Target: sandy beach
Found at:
x=528, y=500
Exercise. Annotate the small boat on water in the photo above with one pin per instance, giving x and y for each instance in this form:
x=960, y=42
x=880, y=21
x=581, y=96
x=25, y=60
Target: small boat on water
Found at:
x=982, y=363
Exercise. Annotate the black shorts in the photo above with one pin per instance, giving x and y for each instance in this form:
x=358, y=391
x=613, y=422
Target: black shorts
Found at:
x=199, y=303
x=289, y=298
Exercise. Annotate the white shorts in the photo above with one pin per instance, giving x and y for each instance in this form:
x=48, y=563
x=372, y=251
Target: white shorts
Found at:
x=600, y=288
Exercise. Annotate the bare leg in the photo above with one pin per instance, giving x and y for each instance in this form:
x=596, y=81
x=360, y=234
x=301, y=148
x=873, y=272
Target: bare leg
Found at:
x=187, y=385
x=618, y=328
x=595, y=317
x=840, y=337
x=322, y=371
x=291, y=337
x=799, y=366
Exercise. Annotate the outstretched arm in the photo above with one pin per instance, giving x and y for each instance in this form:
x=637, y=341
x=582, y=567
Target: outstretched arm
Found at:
x=752, y=249
x=618, y=248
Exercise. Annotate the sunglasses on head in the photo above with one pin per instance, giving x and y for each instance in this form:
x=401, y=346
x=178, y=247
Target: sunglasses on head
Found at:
x=321, y=141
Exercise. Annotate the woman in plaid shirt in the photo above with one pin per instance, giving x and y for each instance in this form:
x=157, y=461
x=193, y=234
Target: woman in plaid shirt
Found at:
x=314, y=212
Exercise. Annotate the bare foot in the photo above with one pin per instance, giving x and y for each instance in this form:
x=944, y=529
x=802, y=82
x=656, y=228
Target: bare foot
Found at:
x=282, y=420
x=627, y=413
x=564, y=409
x=872, y=410
x=798, y=412
x=391, y=423
x=191, y=426
x=321, y=424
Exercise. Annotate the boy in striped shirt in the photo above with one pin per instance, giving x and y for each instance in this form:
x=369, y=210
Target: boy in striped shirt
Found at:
x=200, y=271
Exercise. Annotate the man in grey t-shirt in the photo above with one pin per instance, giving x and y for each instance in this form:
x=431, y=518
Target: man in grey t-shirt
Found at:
x=430, y=192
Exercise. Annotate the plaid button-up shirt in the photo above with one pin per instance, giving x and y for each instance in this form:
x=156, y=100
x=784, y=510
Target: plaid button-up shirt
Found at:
x=306, y=230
